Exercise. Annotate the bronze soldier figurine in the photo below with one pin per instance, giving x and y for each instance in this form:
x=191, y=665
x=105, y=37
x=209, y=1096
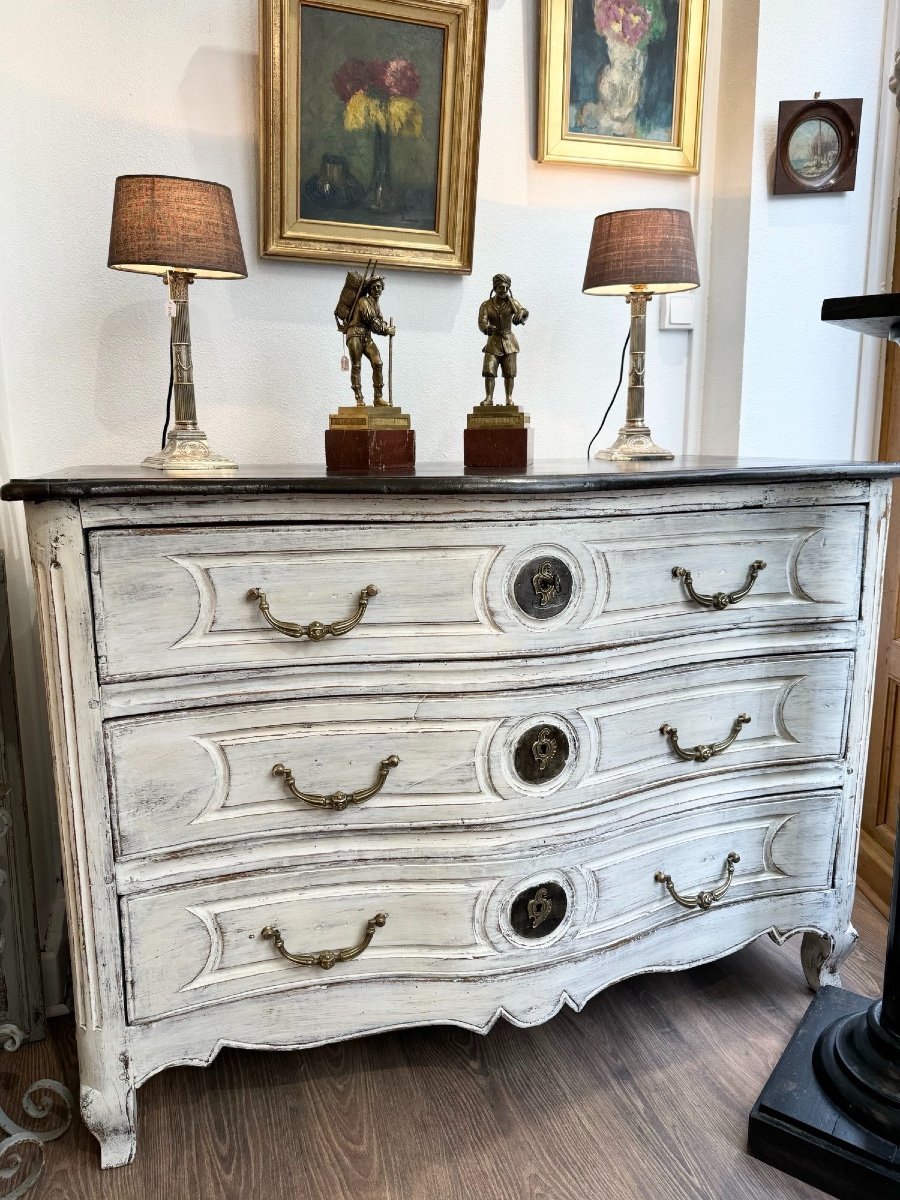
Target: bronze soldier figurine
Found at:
x=496, y=318
x=365, y=320
x=367, y=437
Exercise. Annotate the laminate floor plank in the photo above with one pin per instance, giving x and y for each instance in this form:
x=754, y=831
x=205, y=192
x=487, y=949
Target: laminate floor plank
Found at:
x=645, y=1093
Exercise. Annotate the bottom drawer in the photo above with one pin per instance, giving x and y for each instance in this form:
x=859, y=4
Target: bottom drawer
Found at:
x=493, y=909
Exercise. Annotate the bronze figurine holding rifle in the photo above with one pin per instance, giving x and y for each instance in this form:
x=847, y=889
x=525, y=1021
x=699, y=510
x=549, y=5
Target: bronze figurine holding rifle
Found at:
x=360, y=320
x=361, y=436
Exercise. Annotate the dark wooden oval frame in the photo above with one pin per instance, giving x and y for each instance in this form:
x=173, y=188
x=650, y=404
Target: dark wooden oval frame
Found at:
x=844, y=115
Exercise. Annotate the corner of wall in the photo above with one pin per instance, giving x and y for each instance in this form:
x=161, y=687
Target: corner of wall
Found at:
x=40, y=797
x=729, y=230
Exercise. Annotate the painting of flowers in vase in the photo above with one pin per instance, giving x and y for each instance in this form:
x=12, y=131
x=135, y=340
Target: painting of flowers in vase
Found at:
x=624, y=57
x=370, y=119
x=621, y=82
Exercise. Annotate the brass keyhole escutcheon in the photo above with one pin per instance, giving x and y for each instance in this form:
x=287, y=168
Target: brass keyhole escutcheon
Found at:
x=544, y=749
x=538, y=911
x=547, y=584
x=541, y=754
x=540, y=907
x=542, y=589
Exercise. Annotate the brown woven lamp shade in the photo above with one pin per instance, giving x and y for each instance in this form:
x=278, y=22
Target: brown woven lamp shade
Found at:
x=163, y=222
x=647, y=248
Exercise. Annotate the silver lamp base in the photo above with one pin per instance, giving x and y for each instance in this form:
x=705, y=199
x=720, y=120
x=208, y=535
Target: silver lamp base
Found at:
x=188, y=450
x=633, y=444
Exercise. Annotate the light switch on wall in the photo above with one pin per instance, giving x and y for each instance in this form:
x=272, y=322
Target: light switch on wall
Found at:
x=676, y=311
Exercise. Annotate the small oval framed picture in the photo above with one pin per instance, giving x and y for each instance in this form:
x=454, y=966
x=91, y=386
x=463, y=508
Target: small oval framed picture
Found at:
x=817, y=146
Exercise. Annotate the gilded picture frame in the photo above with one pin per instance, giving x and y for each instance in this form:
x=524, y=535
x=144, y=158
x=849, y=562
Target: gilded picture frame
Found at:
x=369, y=128
x=621, y=83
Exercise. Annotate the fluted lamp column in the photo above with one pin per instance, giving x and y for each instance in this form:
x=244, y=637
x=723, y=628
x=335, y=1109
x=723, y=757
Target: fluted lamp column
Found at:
x=182, y=230
x=636, y=253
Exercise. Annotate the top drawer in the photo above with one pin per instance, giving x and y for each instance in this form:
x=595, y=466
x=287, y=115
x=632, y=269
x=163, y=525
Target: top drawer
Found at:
x=174, y=600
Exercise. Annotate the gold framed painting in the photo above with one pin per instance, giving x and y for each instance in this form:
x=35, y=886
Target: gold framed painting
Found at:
x=370, y=116
x=621, y=83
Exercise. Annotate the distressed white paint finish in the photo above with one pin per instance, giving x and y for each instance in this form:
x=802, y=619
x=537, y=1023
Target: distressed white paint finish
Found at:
x=186, y=924
x=574, y=824
x=79, y=767
x=822, y=960
x=170, y=602
x=535, y=994
x=143, y=511
x=284, y=684
x=448, y=922
x=457, y=755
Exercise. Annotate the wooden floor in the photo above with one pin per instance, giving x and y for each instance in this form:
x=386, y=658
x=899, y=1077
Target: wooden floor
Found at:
x=644, y=1094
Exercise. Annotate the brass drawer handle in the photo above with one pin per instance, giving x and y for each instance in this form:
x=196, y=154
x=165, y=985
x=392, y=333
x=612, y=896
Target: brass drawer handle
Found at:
x=719, y=600
x=325, y=958
x=703, y=900
x=337, y=800
x=703, y=753
x=315, y=630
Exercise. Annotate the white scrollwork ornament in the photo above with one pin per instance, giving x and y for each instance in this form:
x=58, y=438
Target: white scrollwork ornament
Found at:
x=11, y=1036
x=11, y=1157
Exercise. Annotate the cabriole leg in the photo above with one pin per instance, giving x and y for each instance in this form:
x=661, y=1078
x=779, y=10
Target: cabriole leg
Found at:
x=822, y=956
x=110, y=1115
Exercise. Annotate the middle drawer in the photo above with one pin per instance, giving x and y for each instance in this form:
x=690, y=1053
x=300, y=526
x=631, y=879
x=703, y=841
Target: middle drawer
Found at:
x=220, y=775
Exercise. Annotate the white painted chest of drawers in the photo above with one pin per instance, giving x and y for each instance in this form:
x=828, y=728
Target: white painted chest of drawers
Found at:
x=541, y=758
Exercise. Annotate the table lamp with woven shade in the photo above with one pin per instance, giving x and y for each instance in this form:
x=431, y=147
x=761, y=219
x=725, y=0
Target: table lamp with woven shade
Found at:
x=181, y=229
x=634, y=253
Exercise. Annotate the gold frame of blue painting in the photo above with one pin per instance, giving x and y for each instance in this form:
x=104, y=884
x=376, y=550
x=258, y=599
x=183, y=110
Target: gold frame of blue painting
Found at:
x=621, y=83
x=370, y=115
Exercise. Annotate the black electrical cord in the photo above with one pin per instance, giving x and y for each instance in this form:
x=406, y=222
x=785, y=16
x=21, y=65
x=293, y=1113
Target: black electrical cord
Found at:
x=615, y=393
x=169, y=398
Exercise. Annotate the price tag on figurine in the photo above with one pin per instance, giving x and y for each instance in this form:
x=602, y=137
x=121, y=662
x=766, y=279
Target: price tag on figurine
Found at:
x=345, y=363
x=171, y=308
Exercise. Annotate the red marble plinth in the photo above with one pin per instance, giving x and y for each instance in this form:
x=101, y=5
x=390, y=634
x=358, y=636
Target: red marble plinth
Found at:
x=503, y=449
x=369, y=449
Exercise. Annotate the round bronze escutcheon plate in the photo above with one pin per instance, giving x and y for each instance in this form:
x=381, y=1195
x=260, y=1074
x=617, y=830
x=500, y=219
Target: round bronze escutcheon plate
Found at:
x=539, y=910
x=541, y=753
x=543, y=588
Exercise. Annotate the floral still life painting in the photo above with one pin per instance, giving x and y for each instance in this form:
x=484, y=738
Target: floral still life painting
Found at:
x=370, y=124
x=623, y=77
x=622, y=82
x=370, y=118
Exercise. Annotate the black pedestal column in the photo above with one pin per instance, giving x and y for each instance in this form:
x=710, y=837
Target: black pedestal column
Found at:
x=857, y=1059
x=830, y=1113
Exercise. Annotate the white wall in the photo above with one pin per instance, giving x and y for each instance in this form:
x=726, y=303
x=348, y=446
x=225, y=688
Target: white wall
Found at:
x=732, y=172
x=94, y=89
x=800, y=377
x=170, y=87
